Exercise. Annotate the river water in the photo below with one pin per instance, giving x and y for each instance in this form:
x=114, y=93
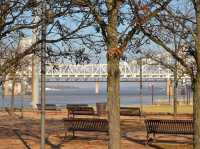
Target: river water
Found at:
x=62, y=93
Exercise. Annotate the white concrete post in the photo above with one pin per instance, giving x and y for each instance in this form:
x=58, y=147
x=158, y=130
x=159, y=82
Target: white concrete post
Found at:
x=35, y=81
x=97, y=87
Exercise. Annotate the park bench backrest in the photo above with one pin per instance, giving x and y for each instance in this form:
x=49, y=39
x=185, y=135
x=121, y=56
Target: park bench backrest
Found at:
x=81, y=110
x=165, y=126
x=47, y=107
x=86, y=124
x=76, y=105
x=130, y=111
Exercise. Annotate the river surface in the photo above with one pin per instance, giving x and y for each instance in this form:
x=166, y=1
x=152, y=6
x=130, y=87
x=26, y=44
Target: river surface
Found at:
x=62, y=93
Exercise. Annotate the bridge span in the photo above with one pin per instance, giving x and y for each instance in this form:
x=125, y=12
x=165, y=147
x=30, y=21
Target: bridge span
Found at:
x=98, y=72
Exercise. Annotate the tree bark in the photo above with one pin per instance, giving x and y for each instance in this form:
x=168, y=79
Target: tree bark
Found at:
x=13, y=95
x=196, y=94
x=175, y=90
x=196, y=112
x=113, y=102
x=113, y=80
x=3, y=91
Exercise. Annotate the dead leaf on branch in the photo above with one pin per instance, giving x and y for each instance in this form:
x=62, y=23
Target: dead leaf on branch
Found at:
x=143, y=11
x=115, y=51
x=141, y=20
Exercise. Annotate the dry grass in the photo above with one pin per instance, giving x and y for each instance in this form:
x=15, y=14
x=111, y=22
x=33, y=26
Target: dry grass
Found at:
x=167, y=109
x=132, y=131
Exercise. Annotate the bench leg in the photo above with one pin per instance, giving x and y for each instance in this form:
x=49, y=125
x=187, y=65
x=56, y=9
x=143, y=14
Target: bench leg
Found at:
x=65, y=133
x=147, y=141
x=154, y=137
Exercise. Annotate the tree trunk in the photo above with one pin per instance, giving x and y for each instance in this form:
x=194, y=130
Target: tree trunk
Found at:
x=196, y=94
x=22, y=97
x=3, y=92
x=113, y=80
x=196, y=112
x=175, y=90
x=113, y=98
x=13, y=95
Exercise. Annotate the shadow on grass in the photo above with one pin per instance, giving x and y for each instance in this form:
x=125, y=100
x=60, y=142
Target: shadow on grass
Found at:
x=53, y=145
x=20, y=135
x=158, y=144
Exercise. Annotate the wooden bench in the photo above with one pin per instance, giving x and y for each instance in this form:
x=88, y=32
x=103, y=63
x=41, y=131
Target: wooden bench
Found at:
x=80, y=111
x=165, y=126
x=77, y=105
x=50, y=107
x=130, y=111
x=85, y=124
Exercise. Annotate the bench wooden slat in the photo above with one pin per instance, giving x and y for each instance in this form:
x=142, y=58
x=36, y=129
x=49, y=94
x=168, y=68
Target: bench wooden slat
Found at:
x=130, y=111
x=76, y=105
x=85, y=124
x=47, y=107
x=165, y=126
x=80, y=111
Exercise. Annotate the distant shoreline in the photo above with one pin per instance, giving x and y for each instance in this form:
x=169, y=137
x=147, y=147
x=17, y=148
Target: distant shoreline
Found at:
x=58, y=87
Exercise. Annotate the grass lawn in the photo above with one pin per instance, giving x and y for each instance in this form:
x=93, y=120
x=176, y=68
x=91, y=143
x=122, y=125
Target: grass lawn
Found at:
x=167, y=108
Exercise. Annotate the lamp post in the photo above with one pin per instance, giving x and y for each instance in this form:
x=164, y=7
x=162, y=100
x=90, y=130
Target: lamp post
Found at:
x=22, y=94
x=43, y=72
x=152, y=94
x=141, y=93
x=175, y=88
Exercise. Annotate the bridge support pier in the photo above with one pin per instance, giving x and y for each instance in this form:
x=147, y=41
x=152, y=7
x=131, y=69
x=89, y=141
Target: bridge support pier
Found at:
x=35, y=81
x=97, y=88
x=6, y=88
x=169, y=89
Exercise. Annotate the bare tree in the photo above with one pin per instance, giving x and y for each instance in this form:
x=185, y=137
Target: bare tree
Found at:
x=18, y=19
x=109, y=16
x=189, y=32
x=111, y=24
